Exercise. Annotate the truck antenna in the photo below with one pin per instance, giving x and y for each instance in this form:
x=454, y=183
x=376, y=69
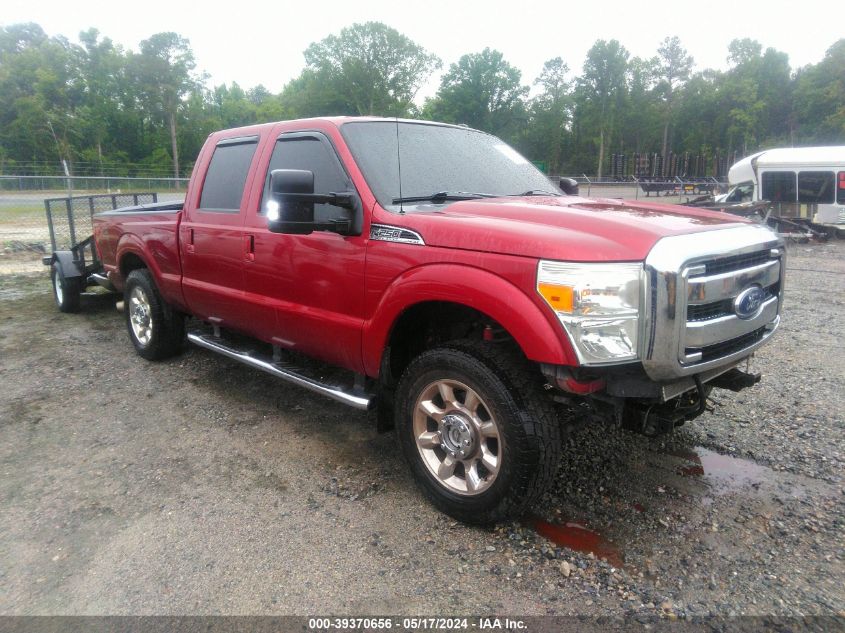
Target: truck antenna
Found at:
x=399, y=167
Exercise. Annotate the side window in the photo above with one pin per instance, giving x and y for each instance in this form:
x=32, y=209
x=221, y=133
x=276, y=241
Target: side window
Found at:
x=315, y=155
x=224, y=182
x=779, y=186
x=815, y=187
x=840, y=190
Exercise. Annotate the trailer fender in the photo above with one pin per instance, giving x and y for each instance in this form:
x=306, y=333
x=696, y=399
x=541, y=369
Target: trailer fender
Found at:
x=69, y=265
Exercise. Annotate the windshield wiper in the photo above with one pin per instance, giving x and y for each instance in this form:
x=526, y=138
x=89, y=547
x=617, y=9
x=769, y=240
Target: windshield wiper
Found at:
x=534, y=192
x=443, y=196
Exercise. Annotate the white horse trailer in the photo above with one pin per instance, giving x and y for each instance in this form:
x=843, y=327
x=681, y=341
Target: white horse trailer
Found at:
x=803, y=182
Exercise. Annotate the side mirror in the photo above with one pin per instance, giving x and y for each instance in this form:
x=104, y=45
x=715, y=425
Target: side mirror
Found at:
x=291, y=205
x=287, y=211
x=569, y=186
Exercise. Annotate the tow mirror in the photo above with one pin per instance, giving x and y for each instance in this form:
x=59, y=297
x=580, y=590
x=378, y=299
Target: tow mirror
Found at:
x=291, y=205
x=288, y=211
x=569, y=186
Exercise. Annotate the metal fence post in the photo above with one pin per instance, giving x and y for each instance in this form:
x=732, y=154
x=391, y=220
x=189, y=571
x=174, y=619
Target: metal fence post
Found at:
x=69, y=205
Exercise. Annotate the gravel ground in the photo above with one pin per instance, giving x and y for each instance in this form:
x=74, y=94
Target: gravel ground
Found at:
x=200, y=486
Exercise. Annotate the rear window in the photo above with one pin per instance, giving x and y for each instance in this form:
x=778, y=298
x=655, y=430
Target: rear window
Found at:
x=840, y=192
x=226, y=176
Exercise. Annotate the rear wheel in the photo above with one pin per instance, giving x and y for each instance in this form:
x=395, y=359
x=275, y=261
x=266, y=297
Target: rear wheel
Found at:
x=156, y=331
x=66, y=290
x=482, y=439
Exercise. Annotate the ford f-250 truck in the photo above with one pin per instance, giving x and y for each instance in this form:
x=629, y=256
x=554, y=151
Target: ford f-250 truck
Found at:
x=472, y=303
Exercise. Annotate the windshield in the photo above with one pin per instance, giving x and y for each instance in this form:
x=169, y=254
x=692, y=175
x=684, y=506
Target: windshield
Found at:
x=743, y=192
x=439, y=163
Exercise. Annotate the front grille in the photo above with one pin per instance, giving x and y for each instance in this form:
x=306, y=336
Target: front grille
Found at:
x=726, y=348
x=707, y=311
x=736, y=262
x=692, y=284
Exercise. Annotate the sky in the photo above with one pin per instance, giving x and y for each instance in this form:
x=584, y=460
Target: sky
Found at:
x=252, y=42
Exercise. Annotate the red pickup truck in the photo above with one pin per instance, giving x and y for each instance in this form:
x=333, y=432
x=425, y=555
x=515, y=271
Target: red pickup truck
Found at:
x=477, y=307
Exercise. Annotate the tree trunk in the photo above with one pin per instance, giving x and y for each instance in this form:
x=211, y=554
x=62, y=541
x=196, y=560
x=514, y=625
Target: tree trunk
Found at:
x=601, y=150
x=609, y=135
x=665, y=140
x=173, y=144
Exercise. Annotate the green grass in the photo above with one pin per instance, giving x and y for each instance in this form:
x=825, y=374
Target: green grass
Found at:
x=21, y=210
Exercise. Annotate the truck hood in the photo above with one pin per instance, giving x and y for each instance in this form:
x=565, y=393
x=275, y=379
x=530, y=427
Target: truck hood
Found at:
x=564, y=228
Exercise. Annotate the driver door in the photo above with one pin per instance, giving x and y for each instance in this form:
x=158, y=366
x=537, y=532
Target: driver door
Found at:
x=307, y=291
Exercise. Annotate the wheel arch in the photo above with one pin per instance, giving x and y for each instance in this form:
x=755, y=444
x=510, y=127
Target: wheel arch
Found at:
x=461, y=289
x=130, y=255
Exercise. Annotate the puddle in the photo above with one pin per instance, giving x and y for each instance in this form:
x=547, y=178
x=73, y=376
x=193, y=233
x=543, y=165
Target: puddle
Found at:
x=578, y=538
x=723, y=473
x=19, y=286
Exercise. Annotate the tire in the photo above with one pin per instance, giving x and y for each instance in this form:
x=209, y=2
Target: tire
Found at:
x=66, y=290
x=156, y=331
x=488, y=402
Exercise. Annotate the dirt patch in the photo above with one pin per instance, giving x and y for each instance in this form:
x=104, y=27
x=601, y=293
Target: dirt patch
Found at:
x=199, y=486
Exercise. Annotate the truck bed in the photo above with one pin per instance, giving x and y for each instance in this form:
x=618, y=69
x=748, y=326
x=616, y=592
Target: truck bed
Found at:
x=155, y=207
x=135, y=232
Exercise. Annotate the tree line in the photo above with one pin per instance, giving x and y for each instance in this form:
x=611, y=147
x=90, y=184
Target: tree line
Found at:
x=105, y=110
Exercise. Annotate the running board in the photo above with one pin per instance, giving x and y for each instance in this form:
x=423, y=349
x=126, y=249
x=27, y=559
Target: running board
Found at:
x=358, y=400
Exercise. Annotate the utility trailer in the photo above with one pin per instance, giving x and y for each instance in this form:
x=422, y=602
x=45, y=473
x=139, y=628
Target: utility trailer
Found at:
x=75, y=264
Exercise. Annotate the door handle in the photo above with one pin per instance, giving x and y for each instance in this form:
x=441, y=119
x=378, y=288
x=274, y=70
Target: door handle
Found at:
x=190, y=245
x=249, y=248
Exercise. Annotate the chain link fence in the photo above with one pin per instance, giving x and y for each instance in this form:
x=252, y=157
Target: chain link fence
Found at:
x=93, y=184
x=25, y=201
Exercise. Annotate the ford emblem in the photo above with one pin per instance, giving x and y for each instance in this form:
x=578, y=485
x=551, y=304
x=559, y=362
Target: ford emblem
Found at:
x=749, y=302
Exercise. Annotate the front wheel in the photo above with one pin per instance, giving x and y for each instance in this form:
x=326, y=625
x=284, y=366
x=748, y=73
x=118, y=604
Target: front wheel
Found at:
x=156, y=331
x=482, y=439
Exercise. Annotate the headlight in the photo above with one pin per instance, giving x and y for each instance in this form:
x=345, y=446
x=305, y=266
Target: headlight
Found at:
x=598, y=305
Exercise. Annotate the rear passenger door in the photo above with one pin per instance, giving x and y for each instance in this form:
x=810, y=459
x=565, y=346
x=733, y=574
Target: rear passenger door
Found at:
x=211, y=235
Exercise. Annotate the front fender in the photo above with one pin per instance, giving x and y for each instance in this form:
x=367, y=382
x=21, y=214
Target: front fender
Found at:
x=540, y=336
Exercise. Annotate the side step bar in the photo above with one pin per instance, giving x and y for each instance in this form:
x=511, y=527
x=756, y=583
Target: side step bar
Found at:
x=358, y=400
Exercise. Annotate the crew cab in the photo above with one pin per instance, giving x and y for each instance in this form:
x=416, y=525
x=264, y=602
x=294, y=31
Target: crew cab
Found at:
x=473, y=304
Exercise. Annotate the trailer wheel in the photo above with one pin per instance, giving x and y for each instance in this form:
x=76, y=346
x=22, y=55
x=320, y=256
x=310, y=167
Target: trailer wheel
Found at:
x=482, y=439
x=66, y=290
x=155, y=329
